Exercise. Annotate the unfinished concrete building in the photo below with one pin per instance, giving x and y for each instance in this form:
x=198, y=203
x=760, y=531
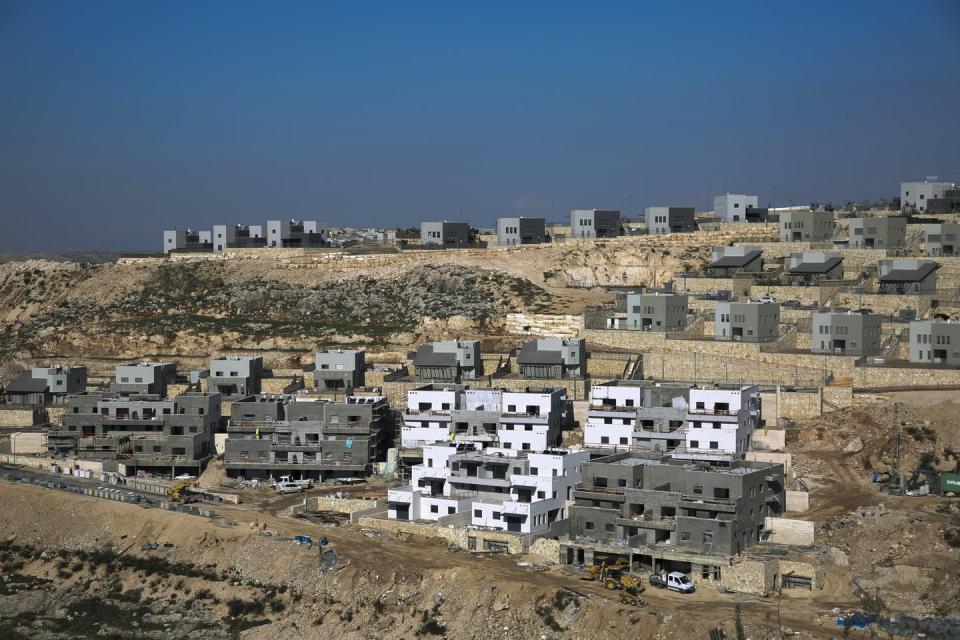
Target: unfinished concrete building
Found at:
x=888, y=232
x=907, y=276
x=810, y=267
x=807, y=226
x=41, y=386
x=143, y=432
x=339, y=369
x=749, y=321
x=728, y=261
x=496, y=488
x=448, y=361
x=550, y=358
x=529, y=420
x=854, y=333
x=941, y=239
x=234, y=376
x=636, y=414
x=594, y=223
x=655, y=311
x=662, y=220
x=144, y=378
x=274, y=436
x=662, y=514
x=935, y=342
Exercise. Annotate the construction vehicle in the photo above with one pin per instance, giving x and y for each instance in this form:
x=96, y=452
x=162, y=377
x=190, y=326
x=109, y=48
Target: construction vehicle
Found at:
x=615, y=577
x=178, y=493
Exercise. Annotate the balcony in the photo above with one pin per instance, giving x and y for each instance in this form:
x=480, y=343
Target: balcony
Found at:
x=647, y=522
x=707, y=504
x=712, y=412
x=512, y=507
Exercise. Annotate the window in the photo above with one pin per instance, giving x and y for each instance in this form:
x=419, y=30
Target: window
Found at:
x=708, y=537
x=534, y=471
x=604, y=440
x=609, y=528
x=714, y=445
x=698, y=490
x=694, y=444
x=685, y=536
x=477, y=513
x=496, y=515
x=588, y=526
x=451, y=511
x=621, y=482
x=434, y=508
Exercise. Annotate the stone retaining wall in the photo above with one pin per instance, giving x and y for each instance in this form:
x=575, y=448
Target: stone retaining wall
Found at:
x=21, y=417
x=794, y=532
x=544, y=325
x=338, y=505
x=798, y=501
x=452, y=535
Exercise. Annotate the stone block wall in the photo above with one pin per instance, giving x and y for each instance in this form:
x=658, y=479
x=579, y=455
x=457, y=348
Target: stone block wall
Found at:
x=769, y=439
x=750, y=576
x=544, y=324
x=794, y=532
x=775, y=457
x=338, y=505
x=798, y=501
x=20, y=417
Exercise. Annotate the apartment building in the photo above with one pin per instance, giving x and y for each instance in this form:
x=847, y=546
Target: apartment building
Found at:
x=186, y=240
x=240, y=236
x=594, y=223
x=728, y=261
x=528, y=420
x=878, y=232
x=144, y=378
x=41, y=386
x=663, y=514
x=548, y=358
x=935, y=342
x=748, y=321
x=636, y=414
x=915, y=196
x=655, y=311
x=339, y=369
x=274, y=436
x=941, y=239
x=445, y=234
x=720, y=422
x=807, y=226
x=907, y=276
x=661, y=220
x=499, y=489
x=855, y=333
x=448, y=361
x=810, y=267
x=144, y=432
x=295, y=234
x=520, y=230
x=234, y=376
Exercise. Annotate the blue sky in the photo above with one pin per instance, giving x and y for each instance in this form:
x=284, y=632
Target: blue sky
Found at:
x=120, y=119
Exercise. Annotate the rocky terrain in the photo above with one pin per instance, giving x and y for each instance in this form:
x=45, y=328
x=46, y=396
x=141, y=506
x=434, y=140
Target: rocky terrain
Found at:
x=136, y=308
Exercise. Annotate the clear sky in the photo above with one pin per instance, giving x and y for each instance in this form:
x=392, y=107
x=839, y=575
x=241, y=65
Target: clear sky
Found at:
x=120, y=119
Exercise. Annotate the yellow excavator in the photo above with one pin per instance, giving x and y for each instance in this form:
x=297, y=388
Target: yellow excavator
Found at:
x=614, y=577
x=177, y=492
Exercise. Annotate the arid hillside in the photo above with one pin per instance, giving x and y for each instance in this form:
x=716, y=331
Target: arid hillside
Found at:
x=270, y=300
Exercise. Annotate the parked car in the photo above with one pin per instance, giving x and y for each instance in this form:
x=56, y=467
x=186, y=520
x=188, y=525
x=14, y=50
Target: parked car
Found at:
x=674, y=581
x=288, y=487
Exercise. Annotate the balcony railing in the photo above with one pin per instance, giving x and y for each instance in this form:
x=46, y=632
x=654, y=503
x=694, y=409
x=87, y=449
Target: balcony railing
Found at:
x=712, y=412
x=594, y=489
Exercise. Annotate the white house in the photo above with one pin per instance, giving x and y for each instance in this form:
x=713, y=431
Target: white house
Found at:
x=630, y=414
x=720, y=422
x=500, y=488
